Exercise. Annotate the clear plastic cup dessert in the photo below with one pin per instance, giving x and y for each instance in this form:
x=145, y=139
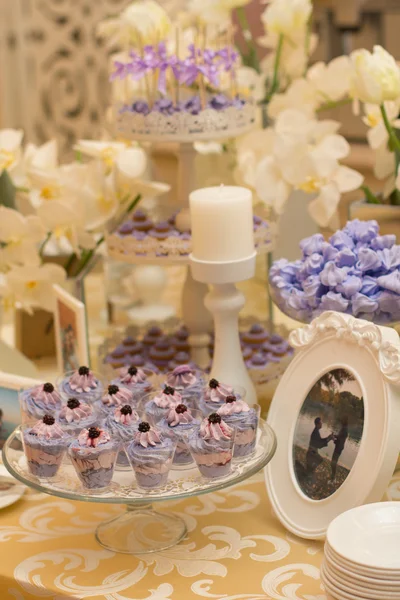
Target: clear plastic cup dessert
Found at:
x=45, y=445
x=139, y=380
x=215, y=393
x=114, y=397
x=211, y=446
x=76, y=415
x=93, y=455
x=38, y=401
x=244, y=418
x=83, y=384
x=122, y=425
x=157, y=404
x=189, y=382
x=150, y=454
x=178, y=424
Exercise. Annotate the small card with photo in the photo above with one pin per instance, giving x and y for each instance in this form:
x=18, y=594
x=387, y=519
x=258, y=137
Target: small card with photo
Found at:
x=71, y=331
x=10, y=416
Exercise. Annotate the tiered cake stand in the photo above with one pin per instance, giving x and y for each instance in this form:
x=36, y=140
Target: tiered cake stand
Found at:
x=183, y=130
x=140, y=529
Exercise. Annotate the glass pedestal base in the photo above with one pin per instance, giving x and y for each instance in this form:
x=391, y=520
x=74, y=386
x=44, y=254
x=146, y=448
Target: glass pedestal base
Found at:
x=141, y=530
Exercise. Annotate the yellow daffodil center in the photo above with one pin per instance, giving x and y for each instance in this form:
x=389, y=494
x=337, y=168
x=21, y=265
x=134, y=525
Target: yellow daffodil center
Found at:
x=373, y=119
x=310, y=185
x=7, y=158
x=49, y=192
x=31, y=285
x=104, y=204
x=107, y=155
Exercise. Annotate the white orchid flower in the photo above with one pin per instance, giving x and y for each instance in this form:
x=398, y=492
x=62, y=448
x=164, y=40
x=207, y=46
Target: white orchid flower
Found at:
x=66, y=223
x=97, y=197
x=330, y=82
x=31, y=286
x=375, y=76
x=377, y=135
x=20, y=237
x=270, y=185
x=250, y=149
x=106, y=151
x=140, y=23
x=10, y=148
x=130, y=168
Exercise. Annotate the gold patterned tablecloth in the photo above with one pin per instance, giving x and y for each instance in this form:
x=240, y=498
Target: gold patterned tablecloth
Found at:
x=235, y=550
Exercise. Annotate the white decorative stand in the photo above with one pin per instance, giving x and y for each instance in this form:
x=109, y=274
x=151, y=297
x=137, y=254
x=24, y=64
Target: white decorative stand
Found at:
x=150, y=282
x=225, y=302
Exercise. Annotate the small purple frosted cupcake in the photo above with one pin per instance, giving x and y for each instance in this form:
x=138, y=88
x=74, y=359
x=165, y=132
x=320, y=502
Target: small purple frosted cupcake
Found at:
x=162, y=353
x=215, y=394
x=244, y=419
x=75, y=416
x=158, y=404
x=179, y=423
x=255, y=336
x=153, y=334
x=82, y=384
x=150, y=454
x=122, y=425
x=188, y=382
x=93, y=456
x=39, y=401
x=115, y=397
x=45, y=445
x=211, y=446
x=135, y=380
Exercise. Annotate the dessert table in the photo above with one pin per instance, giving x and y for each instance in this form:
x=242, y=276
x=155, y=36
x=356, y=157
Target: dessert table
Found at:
x=235, y=550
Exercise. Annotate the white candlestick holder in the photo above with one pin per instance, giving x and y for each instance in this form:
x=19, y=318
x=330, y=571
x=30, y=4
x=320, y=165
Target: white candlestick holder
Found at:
x=225, y=302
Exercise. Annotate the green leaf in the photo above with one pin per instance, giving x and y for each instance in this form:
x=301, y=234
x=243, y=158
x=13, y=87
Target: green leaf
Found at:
x=7, y=190
x=369, y=196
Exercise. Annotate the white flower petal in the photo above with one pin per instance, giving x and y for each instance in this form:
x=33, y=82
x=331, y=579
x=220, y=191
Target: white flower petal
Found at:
x=323, y=208
x=347, y=179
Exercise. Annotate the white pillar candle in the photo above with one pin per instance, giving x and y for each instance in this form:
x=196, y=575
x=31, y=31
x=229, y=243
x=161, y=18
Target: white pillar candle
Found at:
x=222, y=223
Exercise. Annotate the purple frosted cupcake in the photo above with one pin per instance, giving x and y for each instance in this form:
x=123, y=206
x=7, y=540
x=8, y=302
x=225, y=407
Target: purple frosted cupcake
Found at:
x=75, y=416
x=255, y=336
x=136, y=380
x=244, y=419
x=188, y=382
x=158, y=404
x=152, y=336
x=115, y=397
x=122, y=425
x=45, y=445
x=39, y=401
x=82, y=384
x=179, y=423
x=150, y=454
x=212, y=447
x=93, y=455
x=162, y=353
x=215, y=394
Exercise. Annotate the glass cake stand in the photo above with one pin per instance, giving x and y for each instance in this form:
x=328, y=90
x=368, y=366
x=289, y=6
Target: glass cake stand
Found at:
x=140, y=529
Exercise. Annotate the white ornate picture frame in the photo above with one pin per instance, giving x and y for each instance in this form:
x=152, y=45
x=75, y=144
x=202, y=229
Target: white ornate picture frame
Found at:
x=371, y=354
x=71, y=331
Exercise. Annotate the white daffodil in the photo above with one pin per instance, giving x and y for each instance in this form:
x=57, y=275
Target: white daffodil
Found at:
x=375, y=76
x=250, y=149
x=378, y=135
x=32, y=287
x=10, y=148
x=288, y=18
x=141, y=22
x=106, y=151
x=214, y=12
x=97, y=198
x=19, y=237
x=130, y=168
x=66, y=223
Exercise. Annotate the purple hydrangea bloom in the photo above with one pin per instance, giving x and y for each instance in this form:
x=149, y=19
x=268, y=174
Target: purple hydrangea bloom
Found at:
x=313, y=290
x=341, y=240
x=329, y=252
x=332, y=301
x=368, y=260
x=297, y=300
x=362, y=231
x=369, y=286
x=313, y=244
x=313, y=264
x=390, y=257
x=383, y=241
x=281, y=283
x=284, y=269
x=350, y=286
x=363, y=304
x=332, y=275
x=390, y=282
x=345, y=258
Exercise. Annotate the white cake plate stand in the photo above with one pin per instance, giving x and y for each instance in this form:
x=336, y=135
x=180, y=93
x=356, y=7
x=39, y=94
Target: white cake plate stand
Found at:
x=140, y=529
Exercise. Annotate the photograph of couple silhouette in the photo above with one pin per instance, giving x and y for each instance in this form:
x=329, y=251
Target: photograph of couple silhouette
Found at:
x=328, y=434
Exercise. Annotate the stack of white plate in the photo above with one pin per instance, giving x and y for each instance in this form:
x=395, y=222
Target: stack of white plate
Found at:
x=362, y=554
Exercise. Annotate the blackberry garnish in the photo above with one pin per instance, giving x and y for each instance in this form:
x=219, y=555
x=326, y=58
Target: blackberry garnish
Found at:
x=170, y=391
x=113, y=389
x=181, y=408
x=213, y=383
x=48, y=388
x=132, y=371
x=94, y=432
x=144, y=427
x=73, y=403
x=230, y=399
x=48, y=420
x=126, y=410
x=214, y=419
x=83, y=370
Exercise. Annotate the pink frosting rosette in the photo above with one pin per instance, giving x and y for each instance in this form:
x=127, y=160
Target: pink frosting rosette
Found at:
x=47, y=395
x=75, y=411
x=213, y=427
x=117, y=396
x=182, y=376
x=125, y=415
x=47, y=428
x=218, y=392
x=93, y=437
x=178, y=415
x=83, y=380
x=146, y=435
x=233, y=406
x=168, y=397
x=132, y=375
